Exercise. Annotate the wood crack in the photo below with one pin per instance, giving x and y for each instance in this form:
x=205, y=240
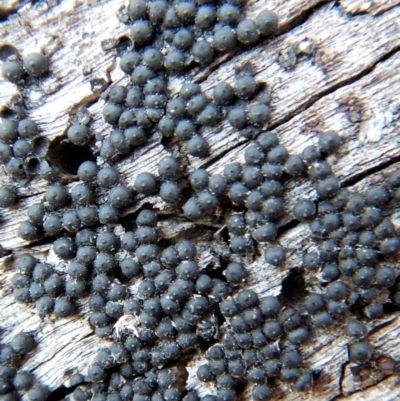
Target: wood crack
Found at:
x=342, y=372
x=376, y=169
x=336, y=87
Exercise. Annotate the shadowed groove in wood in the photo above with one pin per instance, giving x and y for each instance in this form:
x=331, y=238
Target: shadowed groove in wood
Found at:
x=376, y=169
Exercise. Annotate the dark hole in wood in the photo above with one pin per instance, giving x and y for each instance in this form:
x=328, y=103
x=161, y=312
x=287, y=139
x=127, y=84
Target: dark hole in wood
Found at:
x=67, y=156
x=60, y=393
x=32, y=165
x=388, y=307
x=7, y=113
x=11, y=113
x=293, y=287
x=124, y=45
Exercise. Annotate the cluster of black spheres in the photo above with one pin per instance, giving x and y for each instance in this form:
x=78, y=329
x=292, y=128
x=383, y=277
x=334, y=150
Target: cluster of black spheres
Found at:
x=21, y=147
x=15, y=383
x=168, y=40
x=355, y=254
x=257, y=187
x=196, y=30
x=154, y=303
x=162, y=384
x=249, y=351
x=37, y=281
x=67, y=211
x=175, y=304
x=33, y=64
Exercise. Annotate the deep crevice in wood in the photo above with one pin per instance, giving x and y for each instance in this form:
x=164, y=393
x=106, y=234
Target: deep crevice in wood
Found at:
x=287, y=227
x=342, y=376
x=381, y=326
x=376, y=169
x=336, y=87
x=61, y=392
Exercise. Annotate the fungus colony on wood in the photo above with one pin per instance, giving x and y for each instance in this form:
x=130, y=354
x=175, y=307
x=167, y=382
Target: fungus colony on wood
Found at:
x=175, y=306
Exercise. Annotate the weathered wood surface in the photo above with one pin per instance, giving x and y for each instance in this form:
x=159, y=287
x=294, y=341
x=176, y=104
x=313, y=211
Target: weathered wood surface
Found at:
x=349, y=84
x=291, y=90
x=372, y=7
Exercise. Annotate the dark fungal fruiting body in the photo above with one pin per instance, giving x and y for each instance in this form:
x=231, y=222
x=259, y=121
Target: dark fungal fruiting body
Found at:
x=7, y=197
x=247, y=32
x=21, y=148
x=13, y=71
x=224, y=39
x=275, y=255
x=78, y=134
x=36, y=64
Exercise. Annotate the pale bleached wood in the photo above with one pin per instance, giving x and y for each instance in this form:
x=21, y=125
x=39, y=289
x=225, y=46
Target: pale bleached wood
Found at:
x=339, y=57
x=372, y=7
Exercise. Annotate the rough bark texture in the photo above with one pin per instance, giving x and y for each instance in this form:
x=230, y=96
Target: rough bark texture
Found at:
x=349, y=84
